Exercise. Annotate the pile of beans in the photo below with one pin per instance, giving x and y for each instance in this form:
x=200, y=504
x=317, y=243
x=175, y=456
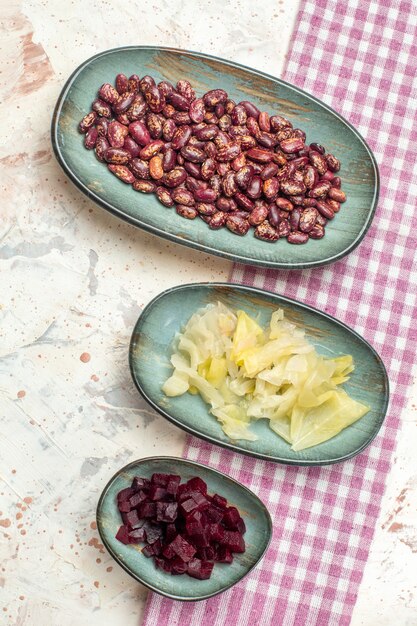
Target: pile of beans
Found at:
x=229, y=164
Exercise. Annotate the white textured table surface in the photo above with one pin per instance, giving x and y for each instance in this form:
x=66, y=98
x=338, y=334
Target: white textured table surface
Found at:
x=73, y=281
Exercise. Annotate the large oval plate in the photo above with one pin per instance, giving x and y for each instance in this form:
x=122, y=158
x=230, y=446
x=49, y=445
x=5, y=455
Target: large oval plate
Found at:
x=255, y=515
x=359, y=171
x=151, y=347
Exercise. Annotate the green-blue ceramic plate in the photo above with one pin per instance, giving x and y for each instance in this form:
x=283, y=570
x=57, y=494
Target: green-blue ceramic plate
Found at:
x=321, y=123
x=256, y=517
x=151, y=348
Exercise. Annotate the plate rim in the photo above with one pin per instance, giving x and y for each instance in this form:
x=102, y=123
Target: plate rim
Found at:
x=114, y=210
x=197, y=464
x=237, y=448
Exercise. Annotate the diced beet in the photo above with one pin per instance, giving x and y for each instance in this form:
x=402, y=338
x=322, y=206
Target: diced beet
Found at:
x=214, y=514
x=157, y=547
x=162, y=564
x=125, y=494
x=168, y=552
x=133, y=520
x=137, y=536
x=141, y=483
x=157, y=493
x=193, y=527
x=223, y=555
x=183, y=548
x=200, y=569
x=241, y=527
x=123, y=534
x=147, y=509
x=166, y=511
x=232, y=519
x=188, y=506
x=148, y=551
x=153, y=532
x=206, y=554
x=197, y=484
x=215, y=532
x=124, y=506
x=161, y=480
x=234, y=541
x=137, y=498
x=219, y=501
x=172, y=486
x=201, y=500
x=178, y=566
x=170, y=532
x=199, y=540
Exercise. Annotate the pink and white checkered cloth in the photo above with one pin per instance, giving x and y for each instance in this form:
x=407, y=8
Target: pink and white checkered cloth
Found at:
x=361, y=58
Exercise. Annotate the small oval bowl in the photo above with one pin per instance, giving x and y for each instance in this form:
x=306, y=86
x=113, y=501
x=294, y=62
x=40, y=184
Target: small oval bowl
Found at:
x=359, y=171
x=152, y=345
x=257, y=536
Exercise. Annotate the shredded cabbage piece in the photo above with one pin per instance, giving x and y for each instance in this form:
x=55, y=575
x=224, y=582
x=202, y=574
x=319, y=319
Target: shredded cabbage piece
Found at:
x=245, y=373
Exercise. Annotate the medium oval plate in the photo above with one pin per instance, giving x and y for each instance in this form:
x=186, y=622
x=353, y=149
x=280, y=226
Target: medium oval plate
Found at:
x=151, y=348
x=256, y=517
x=359, y=170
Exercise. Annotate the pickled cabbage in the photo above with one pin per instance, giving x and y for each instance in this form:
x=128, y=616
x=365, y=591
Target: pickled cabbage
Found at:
x=245, y=372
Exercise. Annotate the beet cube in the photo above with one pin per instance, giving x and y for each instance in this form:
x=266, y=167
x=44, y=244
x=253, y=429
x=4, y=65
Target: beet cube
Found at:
x=140, y=483
x=206, y=554
x=172, y=485
x=163, y=564
x=125, y=494
x=137, y=536
x=197, y=484
x=214, y=514
x=231, y=518
x=147, y=551
x=241, y=527
x=161, y=480
x=157, y=493
x=199, y=540
x=153, y=532
x=219, y=501
x=223, y=555
x=183, y=548
x=123, y=534
x=133, y=520
x=147, y=509
x=124, y=506
x=137, y=498
x=215, y=532
x=188, y=506
x=178, y=566
x=201, y=500
x=166, y=511
x=234, y=541
x=168, y=552
x=200, y=569
x=170, y=532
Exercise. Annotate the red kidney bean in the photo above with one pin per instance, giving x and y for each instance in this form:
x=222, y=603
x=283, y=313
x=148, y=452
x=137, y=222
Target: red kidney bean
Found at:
x=337, y=194
x=297, y=237
x=254, y=189
x=284, y=228
x=244, y=202
x=325, y=210
x=91, y=137
x=139, y=132
x=190, y=213
x=308, y=219
x=122, y=172
x=284, y=204
x=101, y=108
x=251, y=109
x=270, y=188
x=197, y=110
x=266, y=232
x=133, y=83
x=205, y=208
x=264, y=122
x=266, y=140
x=292, y=187
x=108, y=93
x=169, y=160
x=193, y=169
x=101, y=146
x=336, y=181
x=140, y=168
x=294, y=218
x=131, y=146
x=259, y=155
x=182, y=196
x=259, y=213
x=164, y=196
x=320, y=190
x=218, y=220
x=237, y=224
x=87, y=122
x=274, y=215
x=329, y=175
x=317, y=148
x=117, y=155
x=205, y=195
x=229, y=184
x=181, y=137
x=278, y=123
x=317, y=232
x=269, y=171
x=122, y=83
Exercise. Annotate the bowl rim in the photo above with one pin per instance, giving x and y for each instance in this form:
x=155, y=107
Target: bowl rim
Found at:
x=233, y=447
x=177, y=237
x=196, y=464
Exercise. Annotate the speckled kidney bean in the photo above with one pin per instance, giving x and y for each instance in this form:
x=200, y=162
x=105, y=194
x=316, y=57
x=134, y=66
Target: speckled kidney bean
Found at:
x=193, y=154
x=259, y=213
x=229, y=184
x=320, y=190
x=183, y=196
x=222, y=168
x=138, y=108
x=166, y=88
x=239, y=115
x=214, y=97
x=164, y=196
x=264, y=122
x=139, y=132
x=208, y=168
x=197, y=110
x=333, y=204
x=320, y=219
x=284, y=228
x=151, y=149
x=181, y=137
x=209, y=132
x=328, y=175
x=87, y=122
x=284, y=204
x=308, y=202
x=218, y=220
x=168, y=129
x=169, y=160
x=168, y=111
x=266, y=232
x=205, y=195
x=259, y=155
x=237, y=224
x=179, y=102
x=184, y=88
x=254, y=189
x=122, y=83
x=101, y=146
x=244, y=202
x=247, y=142
x=91, y=137
x=317, y=148
x=270, y=188
x=210, y=117
x=317, y=232
x=292, y=187
x=332, y=163
x=318, y=161
x=325, y=210
x=278, y=123
x=146, y=83
x=225, y=204
x=189, y=212
x=154, y=99
x=101, y=108
x=311, y=177
x=181, y=117
x=123, y=119
x=225, y=122
x=206, y=208
x=266, y=140
x=238, y=162
x=274, y=215
x=196, y=143
x=102, y=126
x=140, y=168
x=291, y=145
x=269, y=171
x=294, y=218
x=210, y=149
x=193, y=169
x=122, y=172
x=131, y=146
x=337, y=194
x=117, y=155
x=297, y=200
x=228, y=152
x=244, y=176
x=154, y=125
x=308, y=219
x=192, y=184
x=144, y=186
x=133, y=83
x=297, y=237
x=175, y=177
x=124, y=102
x=219, y=110
x=155, y=167
x=108, y=93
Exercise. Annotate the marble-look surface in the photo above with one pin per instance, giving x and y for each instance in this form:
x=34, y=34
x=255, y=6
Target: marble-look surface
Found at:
x=73, y=281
